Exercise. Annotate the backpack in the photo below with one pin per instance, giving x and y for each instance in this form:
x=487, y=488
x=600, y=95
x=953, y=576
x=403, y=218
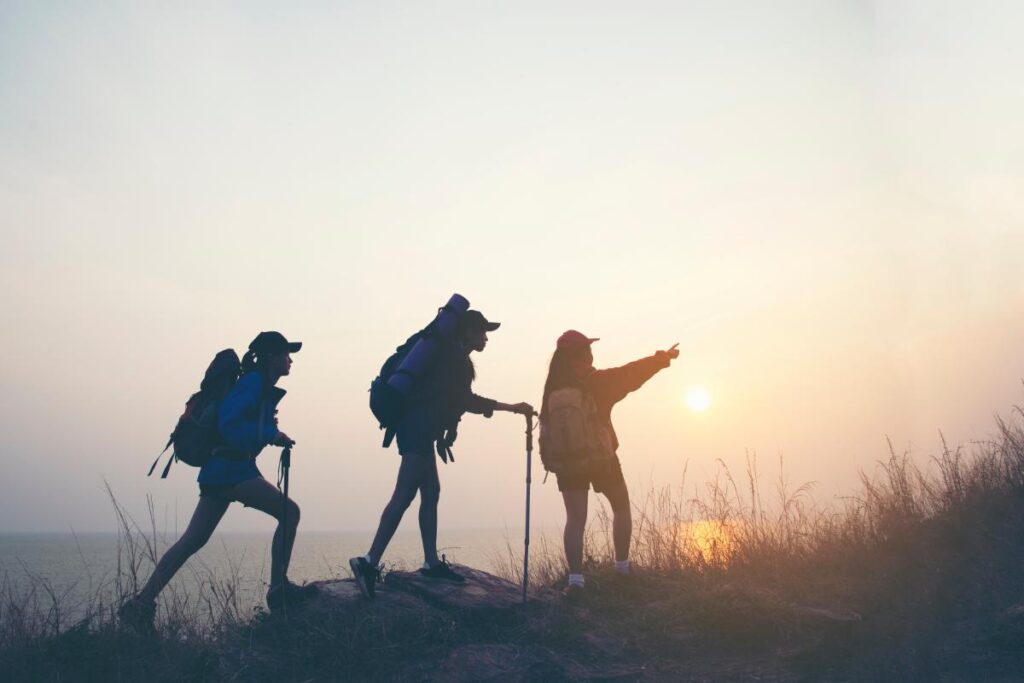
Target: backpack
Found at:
x=195, y=437
x=386, y=403
x=389, y=399
x=572, y=436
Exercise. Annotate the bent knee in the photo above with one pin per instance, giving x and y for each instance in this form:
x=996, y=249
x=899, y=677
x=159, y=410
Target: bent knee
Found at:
x=293, y=512
x=402, y=499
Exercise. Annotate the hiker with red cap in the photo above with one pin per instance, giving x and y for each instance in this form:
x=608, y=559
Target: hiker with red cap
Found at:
x=578, y=442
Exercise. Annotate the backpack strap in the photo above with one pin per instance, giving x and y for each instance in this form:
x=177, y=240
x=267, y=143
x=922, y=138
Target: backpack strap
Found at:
x=389, y=436
x=261, y=420
x=170, y=461
x=153, y=466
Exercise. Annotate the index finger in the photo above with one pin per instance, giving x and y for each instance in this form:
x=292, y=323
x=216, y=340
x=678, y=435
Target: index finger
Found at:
x=674, y=346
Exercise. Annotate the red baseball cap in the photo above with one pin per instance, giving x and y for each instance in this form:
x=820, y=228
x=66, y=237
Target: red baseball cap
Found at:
x=572, y=339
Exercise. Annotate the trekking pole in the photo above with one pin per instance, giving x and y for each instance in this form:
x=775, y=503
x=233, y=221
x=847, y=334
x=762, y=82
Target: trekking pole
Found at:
x=282, y=478
x=526, y=540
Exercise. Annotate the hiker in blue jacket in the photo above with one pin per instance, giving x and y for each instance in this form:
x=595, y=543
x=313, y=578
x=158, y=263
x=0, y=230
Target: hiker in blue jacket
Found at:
x=247, y=423
x=429, y=425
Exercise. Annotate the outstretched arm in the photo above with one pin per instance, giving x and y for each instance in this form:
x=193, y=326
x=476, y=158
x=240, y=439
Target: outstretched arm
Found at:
x=522, y=408
x=612, y=385
x=486, y=406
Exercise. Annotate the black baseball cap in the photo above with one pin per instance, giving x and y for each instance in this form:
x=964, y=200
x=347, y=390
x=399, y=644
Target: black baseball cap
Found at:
x=273, y=342
x=475, y=320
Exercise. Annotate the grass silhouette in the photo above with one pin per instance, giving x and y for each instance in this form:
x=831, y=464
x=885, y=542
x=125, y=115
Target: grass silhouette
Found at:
x=917, y=576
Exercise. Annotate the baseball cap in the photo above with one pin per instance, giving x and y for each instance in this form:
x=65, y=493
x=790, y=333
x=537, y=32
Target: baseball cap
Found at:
x=571, y=339
x=475, y=320
x=273, y=342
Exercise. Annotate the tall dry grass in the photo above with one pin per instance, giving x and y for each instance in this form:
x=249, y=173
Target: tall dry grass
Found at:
x=743, y=527
x=34, y=608
x=926, y=550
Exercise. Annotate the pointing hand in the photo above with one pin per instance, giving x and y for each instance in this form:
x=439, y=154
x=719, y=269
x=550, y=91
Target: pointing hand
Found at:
x=672, y=353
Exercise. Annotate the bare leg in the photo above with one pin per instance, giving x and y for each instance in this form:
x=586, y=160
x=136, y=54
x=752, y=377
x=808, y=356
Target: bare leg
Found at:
x=209, y=511
x=430, y=494
x=410, y=476
x=622, y=520
x=262, y=495
x=575, y=522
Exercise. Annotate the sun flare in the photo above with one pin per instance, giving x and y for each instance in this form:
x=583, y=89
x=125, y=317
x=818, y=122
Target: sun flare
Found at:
x=698, y=399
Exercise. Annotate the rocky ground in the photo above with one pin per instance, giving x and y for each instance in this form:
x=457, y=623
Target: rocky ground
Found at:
x=482, y=631
x=646, y=627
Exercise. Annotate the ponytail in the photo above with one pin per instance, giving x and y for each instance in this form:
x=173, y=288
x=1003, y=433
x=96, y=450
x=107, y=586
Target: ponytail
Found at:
x=249, y=362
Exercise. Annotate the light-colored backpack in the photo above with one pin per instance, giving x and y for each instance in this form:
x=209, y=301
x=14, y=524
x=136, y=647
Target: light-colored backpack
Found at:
x=572, y=435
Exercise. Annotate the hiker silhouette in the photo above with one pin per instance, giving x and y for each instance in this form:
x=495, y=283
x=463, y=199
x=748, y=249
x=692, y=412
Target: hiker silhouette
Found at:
x=240, y=416
x=425, y=423
x=578, y=442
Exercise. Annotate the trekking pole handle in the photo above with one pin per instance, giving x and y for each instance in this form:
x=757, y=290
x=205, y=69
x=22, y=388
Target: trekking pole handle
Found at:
x=286, y=457
x=529, y=431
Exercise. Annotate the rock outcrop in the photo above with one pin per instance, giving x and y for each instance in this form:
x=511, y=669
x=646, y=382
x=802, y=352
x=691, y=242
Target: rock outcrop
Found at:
x=481, y=592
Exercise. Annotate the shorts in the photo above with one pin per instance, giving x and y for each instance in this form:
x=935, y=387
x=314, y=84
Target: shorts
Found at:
x=413, y=434
x=223, y=491
x=603, y=477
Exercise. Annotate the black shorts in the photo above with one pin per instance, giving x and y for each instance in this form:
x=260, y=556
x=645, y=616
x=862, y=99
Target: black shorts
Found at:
x=216, y=491
x=603, y=477
x=223, y=491
x=414, y=435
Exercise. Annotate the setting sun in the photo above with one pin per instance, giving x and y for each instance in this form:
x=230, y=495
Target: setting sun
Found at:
x=698, y=399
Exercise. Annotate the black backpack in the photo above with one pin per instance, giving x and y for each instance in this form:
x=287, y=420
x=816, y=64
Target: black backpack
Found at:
x=195, y=437
x=386, y=403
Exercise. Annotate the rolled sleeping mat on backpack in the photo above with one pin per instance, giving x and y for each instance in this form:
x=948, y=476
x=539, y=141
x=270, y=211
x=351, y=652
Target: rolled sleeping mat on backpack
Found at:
x=419, y=359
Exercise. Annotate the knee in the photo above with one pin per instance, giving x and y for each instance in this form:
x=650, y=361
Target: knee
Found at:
x=401, y=498
x=430, y=494
x=575, y=520
x=293, y=513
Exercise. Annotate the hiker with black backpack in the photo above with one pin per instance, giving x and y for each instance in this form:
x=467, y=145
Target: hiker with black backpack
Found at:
x=578, y=442
x=225, y=426
x=419, y=397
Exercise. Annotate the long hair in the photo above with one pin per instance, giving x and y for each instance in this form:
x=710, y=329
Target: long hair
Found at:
x=560, y=374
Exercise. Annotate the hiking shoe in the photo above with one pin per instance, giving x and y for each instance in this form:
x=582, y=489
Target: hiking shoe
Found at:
x=288, y=594
x=366, y=576
x=574, y=593
x=138, y=615
x=443, y=571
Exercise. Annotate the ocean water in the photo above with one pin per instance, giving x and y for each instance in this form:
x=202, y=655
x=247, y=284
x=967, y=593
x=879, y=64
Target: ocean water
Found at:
x=84, y=568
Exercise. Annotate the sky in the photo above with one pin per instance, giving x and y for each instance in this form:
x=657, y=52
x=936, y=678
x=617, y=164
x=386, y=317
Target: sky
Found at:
x=821, y=202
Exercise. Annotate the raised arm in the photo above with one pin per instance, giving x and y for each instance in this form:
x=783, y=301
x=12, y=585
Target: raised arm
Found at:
x=611, y=385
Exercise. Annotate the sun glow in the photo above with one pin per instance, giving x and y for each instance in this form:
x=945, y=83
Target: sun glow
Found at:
x=698, y=399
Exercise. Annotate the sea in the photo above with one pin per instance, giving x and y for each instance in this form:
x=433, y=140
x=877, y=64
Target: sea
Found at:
x=77, y=572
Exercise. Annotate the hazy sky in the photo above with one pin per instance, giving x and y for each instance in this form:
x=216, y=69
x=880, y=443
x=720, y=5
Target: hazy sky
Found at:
x=823, y=203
